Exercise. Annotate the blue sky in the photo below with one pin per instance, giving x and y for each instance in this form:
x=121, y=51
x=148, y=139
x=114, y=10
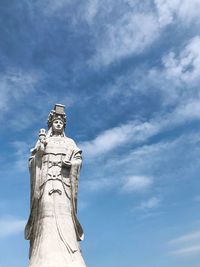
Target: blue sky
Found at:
x=128, y=73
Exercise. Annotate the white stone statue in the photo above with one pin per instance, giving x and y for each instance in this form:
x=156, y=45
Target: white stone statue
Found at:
x=53, y=228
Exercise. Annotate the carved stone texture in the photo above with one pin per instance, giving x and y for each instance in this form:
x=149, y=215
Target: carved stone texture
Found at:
x=53, y=228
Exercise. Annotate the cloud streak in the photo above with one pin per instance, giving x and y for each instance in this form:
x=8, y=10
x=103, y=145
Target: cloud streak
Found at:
x=11, y=226
x=131, y=34
x=149, y=204
x=14, y=86
x=189, y=244
x=186, y=251
x=136, y=184
x=186, y=238
x=117, y=136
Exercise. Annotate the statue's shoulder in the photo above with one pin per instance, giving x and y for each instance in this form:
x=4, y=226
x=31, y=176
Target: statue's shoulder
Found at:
x=70, y=141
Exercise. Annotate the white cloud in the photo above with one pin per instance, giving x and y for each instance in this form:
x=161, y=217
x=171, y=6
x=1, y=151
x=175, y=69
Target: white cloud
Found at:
x=136, y=132
x=98, y=184
x=91, y=10
x=186, y=238
x=117, y=136
x=15, y=85
x=130, y=34
x=188, y=244
x=146, y=168
x=119, y=28
x=22, y=150
x=175, y=82
x=136, y=183
x=138, y=27
x=11, y=226
x=187, y=251
x=184, y=67
x=184, y=10
x=149, y=204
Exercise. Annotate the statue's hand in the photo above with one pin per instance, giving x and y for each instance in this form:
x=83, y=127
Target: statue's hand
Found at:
x=66, y=164
x=40, y=148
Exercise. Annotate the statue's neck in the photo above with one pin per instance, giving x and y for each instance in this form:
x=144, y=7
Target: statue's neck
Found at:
x=57, y=135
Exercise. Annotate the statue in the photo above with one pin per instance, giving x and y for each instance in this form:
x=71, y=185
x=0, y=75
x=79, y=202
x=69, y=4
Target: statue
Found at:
x=53, y=228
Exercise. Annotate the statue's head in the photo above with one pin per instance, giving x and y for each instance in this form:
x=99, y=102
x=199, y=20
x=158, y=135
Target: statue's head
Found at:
x=57, y=126
x=57, y=119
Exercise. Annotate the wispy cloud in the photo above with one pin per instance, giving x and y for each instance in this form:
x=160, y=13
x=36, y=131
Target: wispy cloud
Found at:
x=122, y=28
x=140, y=27
x=112, y=138
x=184, y=67
x=136, y=184
x=149, y=204
x=137, y=132
x=98, y=184
x=175, y=81
x=186, y=251
x=11, y=226
x=186, y=238
x=187, y=244
x=14, y=85
x=170, y=11
x=131, y=34
x=21, y=153
x=148, y=168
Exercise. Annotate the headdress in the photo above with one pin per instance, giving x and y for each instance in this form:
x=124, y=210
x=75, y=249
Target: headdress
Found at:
x=57, y=113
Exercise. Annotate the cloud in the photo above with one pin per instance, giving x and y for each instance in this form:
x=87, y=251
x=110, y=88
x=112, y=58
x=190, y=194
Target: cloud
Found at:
x=11, y=226
x=186, y=251
x=175, y=85
x=130, y=34
x=136, y=184
x=137, y=132
x=98, y=184
x=149, y=204
x=138, y=27
x=15, y=85
x=91, y=10
x=117, y=136
x=184, y=67
x=171, y=10
x=21, y=155
x=189, y=244
x=121, y=29
x=186, y=238
x=146, y=168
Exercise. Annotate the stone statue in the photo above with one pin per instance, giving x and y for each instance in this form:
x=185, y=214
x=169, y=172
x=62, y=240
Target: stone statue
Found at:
x=53, y=228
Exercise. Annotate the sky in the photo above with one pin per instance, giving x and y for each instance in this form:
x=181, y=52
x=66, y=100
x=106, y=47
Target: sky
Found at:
x=128, y=73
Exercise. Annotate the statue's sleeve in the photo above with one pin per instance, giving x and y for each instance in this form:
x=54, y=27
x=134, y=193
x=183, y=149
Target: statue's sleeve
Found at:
x=75, y=172
x=35, y=163
x=74, y=178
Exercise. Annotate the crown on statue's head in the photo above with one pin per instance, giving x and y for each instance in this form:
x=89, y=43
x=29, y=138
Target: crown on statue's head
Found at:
x=58, y=113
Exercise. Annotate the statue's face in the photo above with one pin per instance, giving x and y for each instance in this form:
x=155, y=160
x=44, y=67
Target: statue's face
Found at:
x=57, y=126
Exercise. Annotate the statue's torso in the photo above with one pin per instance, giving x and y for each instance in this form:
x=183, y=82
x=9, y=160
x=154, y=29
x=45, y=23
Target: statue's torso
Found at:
x=60, y=145
x=58, y=149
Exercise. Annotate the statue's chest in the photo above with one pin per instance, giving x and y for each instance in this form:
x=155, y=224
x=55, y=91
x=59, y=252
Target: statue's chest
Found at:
x=58, y=146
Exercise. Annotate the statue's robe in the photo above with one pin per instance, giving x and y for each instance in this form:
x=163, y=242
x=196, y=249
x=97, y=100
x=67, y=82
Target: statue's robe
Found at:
x=53, y=228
